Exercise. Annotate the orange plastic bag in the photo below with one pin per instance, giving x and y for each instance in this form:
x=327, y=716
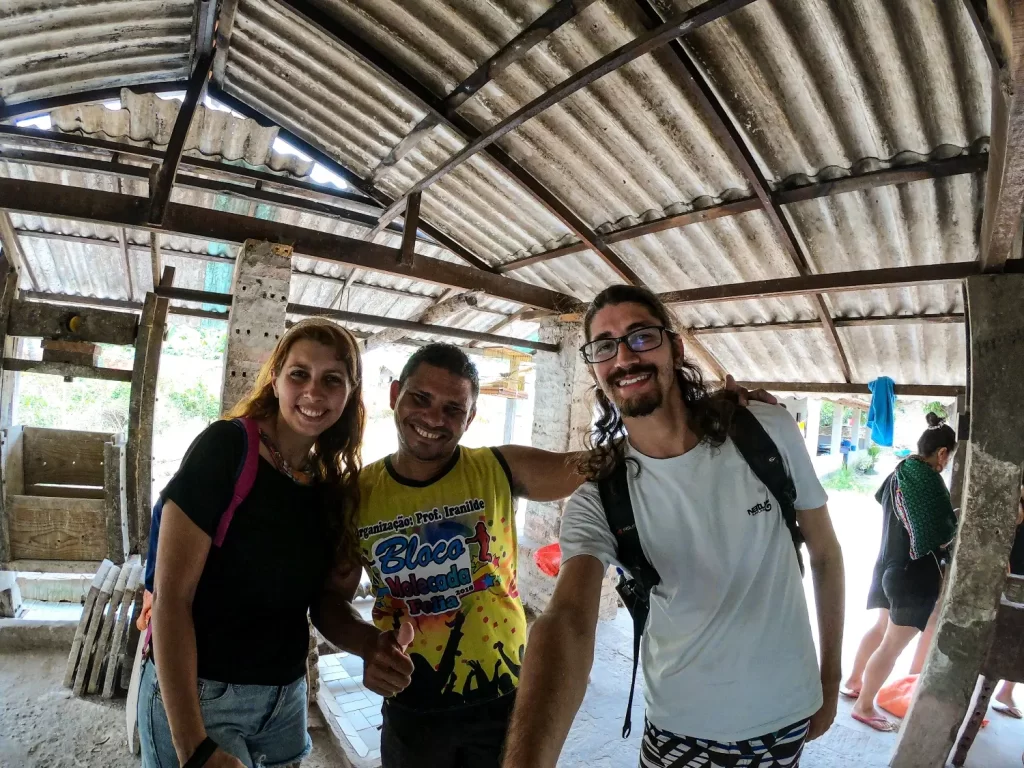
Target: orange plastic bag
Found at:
x=895, y=697
x=549, y=559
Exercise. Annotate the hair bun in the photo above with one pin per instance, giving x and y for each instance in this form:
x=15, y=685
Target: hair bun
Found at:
x=934, y=420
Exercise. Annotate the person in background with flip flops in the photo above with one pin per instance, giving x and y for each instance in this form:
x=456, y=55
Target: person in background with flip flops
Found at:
x=919, y=525
x=1003, y=702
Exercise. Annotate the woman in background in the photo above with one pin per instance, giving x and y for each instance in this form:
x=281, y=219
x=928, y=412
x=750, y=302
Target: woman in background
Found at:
x=919, y=524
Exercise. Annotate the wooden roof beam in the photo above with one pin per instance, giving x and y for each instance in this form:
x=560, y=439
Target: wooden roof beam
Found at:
x=811, y=387
x=162, y=182
x=840, y=322
x=28, y=109
x=65, y=202
x=1004, y=191
x=436, y=107
x=830, y=282
x=678, y=25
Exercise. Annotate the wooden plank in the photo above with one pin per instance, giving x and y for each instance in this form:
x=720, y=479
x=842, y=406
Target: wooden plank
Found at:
x=434, y=315
x=48, y=321
x=113, y=501
x=9, y=240
x=63, y=456
x=57, y=529
x=832, y=282
x=407, y=253
x=840, y=322
x=407, y=325
x=119, y=634
x=102, y=650
x=26, y=109
x=907, y=390
x=141, y=405
x=83, y=623
x=107, y=207
x=75, y=352
x=188, y=294
x=89, y=644
x=66, y=370
x=679, y=25
x=163, y=180
x=65, y=491
x=11, y=438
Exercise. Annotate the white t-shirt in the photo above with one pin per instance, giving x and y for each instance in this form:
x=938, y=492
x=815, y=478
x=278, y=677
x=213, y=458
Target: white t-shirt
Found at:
x=728, y=653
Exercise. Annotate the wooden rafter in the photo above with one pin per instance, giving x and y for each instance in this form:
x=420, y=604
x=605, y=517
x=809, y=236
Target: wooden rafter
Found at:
x=162, y=182
x=388, y=70
x=829, y=282
x=699, y=89
x=436, y=314
x=27, y=109
x=350, y=178
x=132, y=306
x=1004, y=192
x=12, y=246
x=906, y=390
x=514, y=50
x=414, y=327
x=62, y=201
x=678, y=25
x=407, y=253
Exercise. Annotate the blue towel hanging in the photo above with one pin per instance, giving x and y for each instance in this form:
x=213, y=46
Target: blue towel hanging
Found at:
x=882, y=414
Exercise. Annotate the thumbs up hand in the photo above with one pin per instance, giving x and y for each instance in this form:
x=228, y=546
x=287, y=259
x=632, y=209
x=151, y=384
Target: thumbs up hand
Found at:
x=387, y=668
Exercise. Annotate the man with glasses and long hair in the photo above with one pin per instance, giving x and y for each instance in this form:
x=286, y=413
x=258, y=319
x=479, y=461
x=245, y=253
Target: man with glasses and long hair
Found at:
x=732, y=678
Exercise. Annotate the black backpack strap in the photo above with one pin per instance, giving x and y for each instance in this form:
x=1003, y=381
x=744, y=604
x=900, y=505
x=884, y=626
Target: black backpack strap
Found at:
x=635, y=592
x=764, y=459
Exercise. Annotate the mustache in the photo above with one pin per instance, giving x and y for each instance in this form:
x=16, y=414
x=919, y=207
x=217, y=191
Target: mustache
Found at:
x=634, y=370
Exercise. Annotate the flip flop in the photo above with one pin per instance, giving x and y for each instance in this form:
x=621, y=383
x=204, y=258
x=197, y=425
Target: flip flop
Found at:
x=1013, y=712
x=878, y=723
x=847, y=693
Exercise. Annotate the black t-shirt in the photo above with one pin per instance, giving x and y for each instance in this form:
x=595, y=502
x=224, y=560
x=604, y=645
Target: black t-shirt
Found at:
x=251, y=602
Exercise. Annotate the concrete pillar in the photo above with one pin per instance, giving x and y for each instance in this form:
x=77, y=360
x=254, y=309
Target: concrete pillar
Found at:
x=256, y=321
x=837, y=429
x=562, y=415
x=987, y=524
x=812, y=427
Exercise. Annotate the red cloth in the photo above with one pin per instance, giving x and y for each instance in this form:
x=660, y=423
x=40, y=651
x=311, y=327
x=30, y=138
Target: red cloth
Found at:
x=549, y=559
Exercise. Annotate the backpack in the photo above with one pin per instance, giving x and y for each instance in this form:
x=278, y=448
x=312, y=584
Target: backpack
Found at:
x=760, y=453
x=245, y=478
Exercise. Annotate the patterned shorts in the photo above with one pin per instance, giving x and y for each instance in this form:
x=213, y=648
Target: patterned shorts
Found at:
x=782, y=749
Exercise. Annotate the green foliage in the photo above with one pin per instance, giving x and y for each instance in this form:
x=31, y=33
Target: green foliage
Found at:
x=204, y=343
x=846, y=479
x=34, y=410
x=875, y=451
x=935, y=407
x=828, y=412
x=196, y=402
x=864, y=463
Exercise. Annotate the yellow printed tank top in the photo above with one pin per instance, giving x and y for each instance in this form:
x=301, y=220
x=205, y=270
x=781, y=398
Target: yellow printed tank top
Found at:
x=442, y=555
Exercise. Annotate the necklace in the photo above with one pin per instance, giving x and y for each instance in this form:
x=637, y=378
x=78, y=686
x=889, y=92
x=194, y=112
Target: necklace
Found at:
x=303, y=476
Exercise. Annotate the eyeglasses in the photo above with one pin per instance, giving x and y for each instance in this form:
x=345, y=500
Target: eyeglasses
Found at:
x=640, y=340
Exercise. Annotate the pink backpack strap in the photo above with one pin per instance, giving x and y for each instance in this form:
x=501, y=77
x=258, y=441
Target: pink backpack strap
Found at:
x=246, y=477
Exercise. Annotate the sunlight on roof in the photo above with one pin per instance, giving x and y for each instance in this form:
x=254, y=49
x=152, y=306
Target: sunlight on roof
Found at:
x=218, y=107
x=319, y=173
x=43, y=121
x=176, y=95
x=113, y=105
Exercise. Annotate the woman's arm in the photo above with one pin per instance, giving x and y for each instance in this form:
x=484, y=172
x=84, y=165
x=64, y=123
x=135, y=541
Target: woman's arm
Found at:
x=181, y=555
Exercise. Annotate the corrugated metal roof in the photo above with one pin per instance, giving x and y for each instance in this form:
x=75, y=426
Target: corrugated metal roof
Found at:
x=818, y=90
x=68, y=46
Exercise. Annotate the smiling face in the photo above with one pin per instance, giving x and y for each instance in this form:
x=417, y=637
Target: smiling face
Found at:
x=433, y=409
x=312, y=388
x=636, y=382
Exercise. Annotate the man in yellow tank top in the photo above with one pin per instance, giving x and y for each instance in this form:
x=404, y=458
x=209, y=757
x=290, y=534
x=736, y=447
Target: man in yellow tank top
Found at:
x=436, y=525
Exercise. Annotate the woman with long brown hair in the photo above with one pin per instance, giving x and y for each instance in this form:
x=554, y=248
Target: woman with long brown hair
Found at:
x=226, y=685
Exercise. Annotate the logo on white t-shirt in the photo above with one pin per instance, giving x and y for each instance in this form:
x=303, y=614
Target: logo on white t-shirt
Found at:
x=761, y=506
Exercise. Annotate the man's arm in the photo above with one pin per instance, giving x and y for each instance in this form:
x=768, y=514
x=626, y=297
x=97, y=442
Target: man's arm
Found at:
x=541, y=475
x=387, y=667
x=829, y=598
x=556, y=668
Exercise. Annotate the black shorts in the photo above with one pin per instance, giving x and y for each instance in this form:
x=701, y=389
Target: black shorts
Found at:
x=467, y=737
x=908, y=593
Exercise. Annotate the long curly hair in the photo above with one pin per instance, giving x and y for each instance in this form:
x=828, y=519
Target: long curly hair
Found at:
x=710, y=417
x=336, y=454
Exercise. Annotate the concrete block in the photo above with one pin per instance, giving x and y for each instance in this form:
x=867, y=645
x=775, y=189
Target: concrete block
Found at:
x=23, y=635
x=54, y=587
x=10, y=595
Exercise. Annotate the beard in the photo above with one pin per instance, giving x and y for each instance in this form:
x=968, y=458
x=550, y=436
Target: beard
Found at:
x=639, y=405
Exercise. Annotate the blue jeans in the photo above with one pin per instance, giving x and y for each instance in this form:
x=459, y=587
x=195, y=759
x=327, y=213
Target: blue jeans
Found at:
x=264, y=726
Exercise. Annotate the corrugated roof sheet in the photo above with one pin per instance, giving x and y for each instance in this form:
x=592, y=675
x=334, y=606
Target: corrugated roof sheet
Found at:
x=68, y=46
x=818, y=90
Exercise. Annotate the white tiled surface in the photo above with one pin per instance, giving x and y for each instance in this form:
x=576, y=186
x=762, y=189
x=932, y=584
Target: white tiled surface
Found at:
x=355, y=709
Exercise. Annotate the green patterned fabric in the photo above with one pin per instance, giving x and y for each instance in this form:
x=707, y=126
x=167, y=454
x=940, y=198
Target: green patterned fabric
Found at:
x=921, y=502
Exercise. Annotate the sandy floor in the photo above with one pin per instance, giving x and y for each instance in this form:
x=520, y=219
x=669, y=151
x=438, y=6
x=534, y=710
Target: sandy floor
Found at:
x=42, y=725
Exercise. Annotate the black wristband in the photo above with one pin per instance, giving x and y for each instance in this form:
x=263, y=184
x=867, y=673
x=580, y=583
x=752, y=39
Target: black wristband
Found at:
x=203, y=753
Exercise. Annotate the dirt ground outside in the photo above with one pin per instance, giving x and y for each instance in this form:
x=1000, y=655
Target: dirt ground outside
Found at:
x=42, y=725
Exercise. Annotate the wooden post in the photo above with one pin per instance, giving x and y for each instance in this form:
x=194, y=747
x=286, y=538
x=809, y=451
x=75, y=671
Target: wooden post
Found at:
x=407, y=254
x=114, y=497
x=962, y=425
x=83, y=623
x=119, y=638
x=141, y=405
x=93, y=627
x=109, y=621
x=987, y=525
x=256, y=320
x=10, y=289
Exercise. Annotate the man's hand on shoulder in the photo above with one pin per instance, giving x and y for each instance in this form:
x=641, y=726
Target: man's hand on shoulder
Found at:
x=745, y=396
x=541, y=475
